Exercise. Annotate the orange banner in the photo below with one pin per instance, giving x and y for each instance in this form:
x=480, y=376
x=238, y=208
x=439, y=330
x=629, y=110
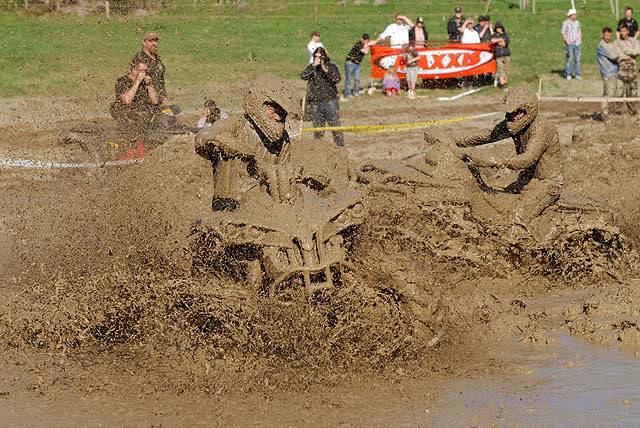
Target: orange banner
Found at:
x=450, y=61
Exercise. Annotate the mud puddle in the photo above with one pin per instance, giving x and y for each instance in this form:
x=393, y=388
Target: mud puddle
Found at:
x=568, y=382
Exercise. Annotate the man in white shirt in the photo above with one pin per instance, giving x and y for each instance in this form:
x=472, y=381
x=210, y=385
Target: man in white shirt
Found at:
x=314, y=44
x=398, y=32
x=572, y=37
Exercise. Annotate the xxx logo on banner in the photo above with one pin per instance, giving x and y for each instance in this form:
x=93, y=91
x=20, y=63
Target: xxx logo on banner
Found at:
x=437, y=63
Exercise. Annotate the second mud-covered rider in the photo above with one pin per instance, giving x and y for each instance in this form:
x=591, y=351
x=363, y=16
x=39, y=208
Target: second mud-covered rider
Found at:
x=252, y=152
x=538, y=155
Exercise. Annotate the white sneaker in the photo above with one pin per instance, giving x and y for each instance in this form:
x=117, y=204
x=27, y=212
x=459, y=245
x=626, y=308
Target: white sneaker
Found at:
x=578, y=78
x=568, y=77
x=343, y=99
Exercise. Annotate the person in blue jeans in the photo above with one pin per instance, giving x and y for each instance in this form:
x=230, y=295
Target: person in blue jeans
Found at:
x=352, y=67
x=572, y=37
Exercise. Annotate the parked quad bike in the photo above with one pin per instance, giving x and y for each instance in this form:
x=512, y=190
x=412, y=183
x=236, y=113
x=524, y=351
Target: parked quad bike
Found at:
x=575, y=235
x=108, y=142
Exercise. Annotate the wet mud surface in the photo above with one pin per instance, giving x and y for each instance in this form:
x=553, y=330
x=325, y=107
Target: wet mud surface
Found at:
x=103, y=319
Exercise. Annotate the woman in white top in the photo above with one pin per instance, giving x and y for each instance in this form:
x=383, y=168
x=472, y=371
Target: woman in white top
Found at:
x=469, y=35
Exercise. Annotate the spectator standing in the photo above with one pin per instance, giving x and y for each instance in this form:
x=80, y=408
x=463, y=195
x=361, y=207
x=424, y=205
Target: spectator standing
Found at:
x=469, y=35
x=149, y=55
x=572, y=37
x=607, y=57
x=411, y=58
x=419, y=35
x=398, y=32
x=352, y=67
x=627, y=49
x=454, y=25
x=483, y=27
x=502, y=53
x=629, y=22
x=314, y=43
x=322, y=76
x=391, y=83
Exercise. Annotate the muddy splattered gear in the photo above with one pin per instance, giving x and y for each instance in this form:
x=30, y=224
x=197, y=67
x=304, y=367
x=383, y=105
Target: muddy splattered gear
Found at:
x=520, y=99
x=250, y=154
x=214, y=111
x=628, y=87
x=137, y=117
x=627, y=50
x=538, y=155
x=274, y=91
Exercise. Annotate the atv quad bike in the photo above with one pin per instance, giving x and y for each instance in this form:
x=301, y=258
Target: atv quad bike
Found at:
x=274, y=243
x=475, y=211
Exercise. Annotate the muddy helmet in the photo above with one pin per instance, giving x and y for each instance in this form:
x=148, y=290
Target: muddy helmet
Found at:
x=270, y=89
x=520, y=99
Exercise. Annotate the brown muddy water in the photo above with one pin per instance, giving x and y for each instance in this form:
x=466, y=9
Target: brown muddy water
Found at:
x=570, y=384
x=567, y=383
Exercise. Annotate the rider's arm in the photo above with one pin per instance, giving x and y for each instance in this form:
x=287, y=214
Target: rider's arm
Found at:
x=153, y=94
x=499, y=132
x=532, y=154
x=222, y=138
x=128, y=96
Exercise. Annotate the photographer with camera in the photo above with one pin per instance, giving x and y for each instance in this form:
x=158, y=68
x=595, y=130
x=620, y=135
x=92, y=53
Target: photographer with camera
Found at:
x=137, y=101
x=322, y=76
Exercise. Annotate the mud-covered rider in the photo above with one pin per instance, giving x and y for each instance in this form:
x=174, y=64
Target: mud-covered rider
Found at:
x=251, y=153
x=538, y=155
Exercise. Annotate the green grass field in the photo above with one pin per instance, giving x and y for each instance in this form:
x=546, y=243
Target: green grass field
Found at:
x=68, y=54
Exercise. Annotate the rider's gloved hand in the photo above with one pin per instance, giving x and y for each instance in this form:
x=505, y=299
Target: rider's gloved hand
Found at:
x=479, y=159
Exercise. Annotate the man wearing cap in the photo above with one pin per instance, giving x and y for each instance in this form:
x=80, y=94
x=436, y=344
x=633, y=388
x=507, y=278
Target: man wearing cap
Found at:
x=149, y=56
x=629, y=22
x=398, y=32
x=352, y=67
x=455, y=25
x=572, y=37
x=483, y=27
x=418, y=35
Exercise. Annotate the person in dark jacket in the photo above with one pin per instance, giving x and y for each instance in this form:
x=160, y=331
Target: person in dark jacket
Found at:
x=322, y=76
x=502, y=54
x=483, y=27
x=419, y=35
x=455, y=24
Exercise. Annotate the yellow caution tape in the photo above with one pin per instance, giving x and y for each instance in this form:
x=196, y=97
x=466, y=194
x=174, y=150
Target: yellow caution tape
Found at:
x=397, y=126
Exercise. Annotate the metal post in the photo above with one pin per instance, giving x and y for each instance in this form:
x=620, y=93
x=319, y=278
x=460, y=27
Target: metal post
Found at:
x=486, y=7
x=315, y=11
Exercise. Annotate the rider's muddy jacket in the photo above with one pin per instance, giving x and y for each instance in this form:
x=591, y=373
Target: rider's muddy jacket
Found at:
x=240, y=155
x=538, y=153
